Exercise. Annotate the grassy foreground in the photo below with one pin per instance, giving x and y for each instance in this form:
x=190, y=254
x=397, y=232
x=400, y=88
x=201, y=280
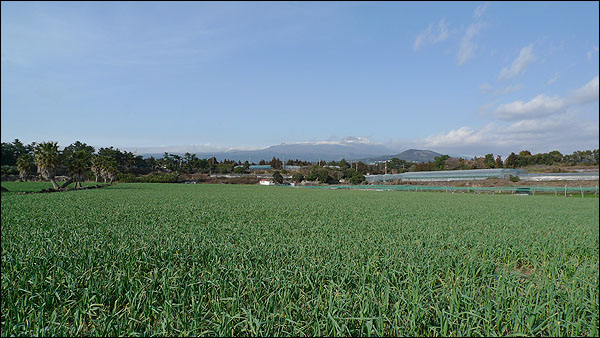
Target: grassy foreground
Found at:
x=168, y=259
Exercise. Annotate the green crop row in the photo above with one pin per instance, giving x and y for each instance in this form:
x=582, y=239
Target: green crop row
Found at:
x=223, y=260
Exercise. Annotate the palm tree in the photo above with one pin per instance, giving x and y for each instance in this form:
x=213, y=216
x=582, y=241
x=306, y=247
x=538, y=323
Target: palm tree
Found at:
x=47, y=158
x=25, y=165
x=78, y=164
x=97, y=165
x=111, y=170
x=108, y=169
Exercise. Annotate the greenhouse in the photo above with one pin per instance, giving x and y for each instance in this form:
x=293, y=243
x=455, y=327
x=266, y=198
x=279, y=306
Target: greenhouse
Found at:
x=447, y=175
x=585, y=176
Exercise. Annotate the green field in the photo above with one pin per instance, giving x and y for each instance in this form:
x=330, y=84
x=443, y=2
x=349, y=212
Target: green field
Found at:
x=175, y=259
x=14, y=187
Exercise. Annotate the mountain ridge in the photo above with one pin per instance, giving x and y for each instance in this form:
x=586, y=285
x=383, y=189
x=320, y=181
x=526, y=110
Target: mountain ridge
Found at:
x=351, y=149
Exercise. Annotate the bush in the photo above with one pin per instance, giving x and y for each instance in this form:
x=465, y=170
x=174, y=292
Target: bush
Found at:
x=297, y=177
x=277, y=178
x=127, y=178
x=10, y=170
x=514, y=178
x=151, y=178
x=239, y=170
x=357, y=178
x=322, y=175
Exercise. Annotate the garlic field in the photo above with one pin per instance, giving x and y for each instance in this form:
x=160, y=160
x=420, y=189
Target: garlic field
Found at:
x=233, y=260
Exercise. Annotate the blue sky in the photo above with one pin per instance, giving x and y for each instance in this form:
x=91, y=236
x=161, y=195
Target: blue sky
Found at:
x=462, y=78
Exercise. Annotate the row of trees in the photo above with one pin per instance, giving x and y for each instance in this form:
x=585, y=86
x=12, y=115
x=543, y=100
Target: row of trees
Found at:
x=76, y=161
x=323, y=175
x=520, y=160
x=79, y=161
x=525, y=158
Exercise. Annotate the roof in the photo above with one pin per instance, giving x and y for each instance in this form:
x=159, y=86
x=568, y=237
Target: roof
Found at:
x=449, y=174
x=260, y=167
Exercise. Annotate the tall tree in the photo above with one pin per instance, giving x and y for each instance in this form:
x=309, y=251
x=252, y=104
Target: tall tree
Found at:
x=511, y=161
x=78, y=164
x=297, y=177
x=499, y=163
x=439, y=161
x=12, y=151
x=97, y=165
x=47, y=159
x=78, y=146
x=25, y=165
x=276, y=163
x=277, y=178
x=110, y=170
x=489, y=161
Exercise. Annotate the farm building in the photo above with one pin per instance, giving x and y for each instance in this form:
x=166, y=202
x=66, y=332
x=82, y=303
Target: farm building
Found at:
x=447, y=175
x=585, y=176
x=260, y=167
x=265, y=181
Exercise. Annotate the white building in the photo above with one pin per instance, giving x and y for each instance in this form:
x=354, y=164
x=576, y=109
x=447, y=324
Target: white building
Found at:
x=265, y=181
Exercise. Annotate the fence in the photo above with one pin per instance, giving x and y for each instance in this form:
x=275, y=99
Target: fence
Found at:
x=418, y=188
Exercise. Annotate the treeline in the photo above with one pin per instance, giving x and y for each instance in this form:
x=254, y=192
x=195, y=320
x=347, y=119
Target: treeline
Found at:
x=522, y=159
x=79, y=161
x=332, y=173
x=276, y=163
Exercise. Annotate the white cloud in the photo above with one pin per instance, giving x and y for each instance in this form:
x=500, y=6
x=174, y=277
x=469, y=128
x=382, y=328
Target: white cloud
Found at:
x=540, y=105
x=520, y=64
x=467, y=45
x=480, y=10
x=585, y=94
x=553, y=79
x=543, y=105
x=542, y=124
x=334, y=140
x=564, y=132
x=508, y=89
x=356, y=140
x=191, y=148
x=457, y=137
x=484, y=109
x=537, y=126
x=432, y=35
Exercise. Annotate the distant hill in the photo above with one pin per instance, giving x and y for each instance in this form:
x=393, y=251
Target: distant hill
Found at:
x=350, y=148
x=410, y=155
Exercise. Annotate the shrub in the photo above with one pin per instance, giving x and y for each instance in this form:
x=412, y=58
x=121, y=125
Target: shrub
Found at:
x=9, y=170
x=239, y=170
x=297, y=177
x=127, y=178
x=160, y=178
x=277, y=178
x=357, y=178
